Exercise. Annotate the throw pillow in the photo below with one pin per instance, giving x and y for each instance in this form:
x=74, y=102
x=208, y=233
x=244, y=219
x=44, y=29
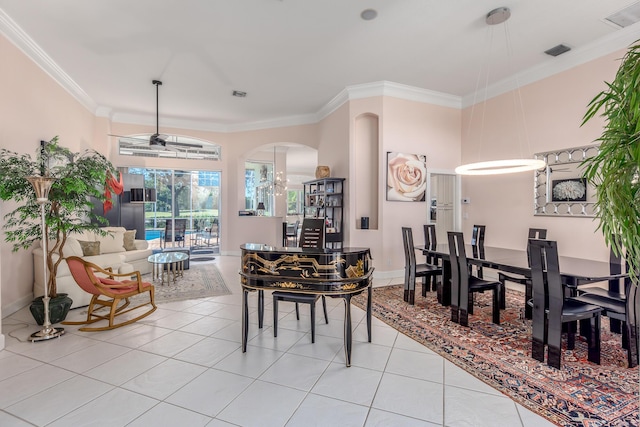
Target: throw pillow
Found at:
x=113, y=242
x=89, y=248
x=129, y=240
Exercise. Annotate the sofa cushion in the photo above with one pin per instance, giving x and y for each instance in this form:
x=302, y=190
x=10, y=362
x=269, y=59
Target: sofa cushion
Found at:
x=112, y=243
x=89, y=248
x=129, y=240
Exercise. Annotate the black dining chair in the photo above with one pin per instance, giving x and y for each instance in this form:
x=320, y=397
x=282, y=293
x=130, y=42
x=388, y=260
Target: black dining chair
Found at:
x=431, y=241
x=534, y=233
x=477, y=245
x=468, y=284
x=552, y=308
x=412, y=269
x=621, y=305
x=292, y=233
x=301, y=298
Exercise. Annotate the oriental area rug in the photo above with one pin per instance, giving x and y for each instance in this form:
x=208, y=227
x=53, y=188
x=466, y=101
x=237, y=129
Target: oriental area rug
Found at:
x=580, y=394
x=201, y=280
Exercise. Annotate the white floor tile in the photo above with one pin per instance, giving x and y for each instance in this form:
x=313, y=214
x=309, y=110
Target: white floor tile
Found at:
x=207, y=326
x=90, y=357
x=16, y=388
x=8, y=420
x=172, y=343
x=271, y=405
x=299, y=372
x=116, y=408
x=174, y=321
x=137, y=337
x=14, y=364
x=411, y=397
x=64, y=398
x=458, y=377
x=208, y=352
x=164, y=379
x=417, y=365
x=366, y=355
x=166, y=415
x=323, y=411
x=465, y=407
x=354, y=384
x=324, y=348
x=378, y=418
x=210, y=392
x=250, y=364
x=123, y=368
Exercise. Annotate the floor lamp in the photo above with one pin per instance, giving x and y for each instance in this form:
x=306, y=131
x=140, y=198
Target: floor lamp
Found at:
x=42, y=185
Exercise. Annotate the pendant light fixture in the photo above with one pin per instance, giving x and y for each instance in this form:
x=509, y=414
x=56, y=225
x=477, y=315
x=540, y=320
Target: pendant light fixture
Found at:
x=495, y=167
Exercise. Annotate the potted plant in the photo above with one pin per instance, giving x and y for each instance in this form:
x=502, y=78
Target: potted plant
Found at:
x=615, y=170
x=79, y=179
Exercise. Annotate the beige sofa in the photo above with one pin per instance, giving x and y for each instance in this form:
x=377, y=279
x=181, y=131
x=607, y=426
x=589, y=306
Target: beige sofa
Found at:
x=112, y=253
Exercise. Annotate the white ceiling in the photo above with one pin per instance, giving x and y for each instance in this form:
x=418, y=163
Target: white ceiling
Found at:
x=292, y=57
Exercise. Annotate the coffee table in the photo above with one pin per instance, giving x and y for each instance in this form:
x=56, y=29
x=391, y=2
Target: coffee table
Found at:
x=173, y=262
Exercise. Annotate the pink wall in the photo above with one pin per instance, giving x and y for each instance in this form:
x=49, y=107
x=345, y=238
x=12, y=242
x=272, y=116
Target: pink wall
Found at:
x=33, y=107
x=553, y=109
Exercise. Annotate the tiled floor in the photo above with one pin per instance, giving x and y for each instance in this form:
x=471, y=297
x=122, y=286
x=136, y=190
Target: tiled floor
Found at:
x=182, y=366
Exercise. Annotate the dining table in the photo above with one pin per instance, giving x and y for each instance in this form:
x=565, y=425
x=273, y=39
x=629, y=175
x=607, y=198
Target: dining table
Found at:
x=573, y=270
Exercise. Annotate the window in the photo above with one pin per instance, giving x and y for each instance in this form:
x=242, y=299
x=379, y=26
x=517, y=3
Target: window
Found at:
x=294, y=202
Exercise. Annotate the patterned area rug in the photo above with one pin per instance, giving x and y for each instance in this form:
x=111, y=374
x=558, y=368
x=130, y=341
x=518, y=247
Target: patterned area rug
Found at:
x=202, y=280
x=580, y=394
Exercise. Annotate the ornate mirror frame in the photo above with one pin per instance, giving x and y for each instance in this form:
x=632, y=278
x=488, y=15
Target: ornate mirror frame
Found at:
x=559, y=189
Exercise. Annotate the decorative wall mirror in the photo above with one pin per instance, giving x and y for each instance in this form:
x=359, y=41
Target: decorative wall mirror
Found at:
x=559, y=189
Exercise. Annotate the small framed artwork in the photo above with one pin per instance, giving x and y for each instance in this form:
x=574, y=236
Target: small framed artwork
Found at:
x=569, y=190
x=406, y=177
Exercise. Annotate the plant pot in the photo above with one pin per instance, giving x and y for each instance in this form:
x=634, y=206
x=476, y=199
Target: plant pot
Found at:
x=58, y=309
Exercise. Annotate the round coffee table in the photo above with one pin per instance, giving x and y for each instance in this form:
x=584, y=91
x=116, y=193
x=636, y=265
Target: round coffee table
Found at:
x=173, y=262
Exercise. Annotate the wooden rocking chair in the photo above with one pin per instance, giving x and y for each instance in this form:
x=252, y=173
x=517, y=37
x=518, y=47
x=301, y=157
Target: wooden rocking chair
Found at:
x=112, y=291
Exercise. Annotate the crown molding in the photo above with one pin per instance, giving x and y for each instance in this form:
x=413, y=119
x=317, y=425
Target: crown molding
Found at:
x=620, y=39
x=32, y=50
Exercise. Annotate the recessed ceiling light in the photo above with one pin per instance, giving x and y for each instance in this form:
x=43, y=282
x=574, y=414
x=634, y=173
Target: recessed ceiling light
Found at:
x=368, y=14
x=626, y=17
x=239, y=93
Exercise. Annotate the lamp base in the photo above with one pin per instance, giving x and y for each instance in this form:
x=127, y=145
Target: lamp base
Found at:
x=46, y=334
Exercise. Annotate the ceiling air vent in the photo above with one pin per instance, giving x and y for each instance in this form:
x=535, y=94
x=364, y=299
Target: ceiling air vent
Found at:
x=625, y=17
x=557, y=50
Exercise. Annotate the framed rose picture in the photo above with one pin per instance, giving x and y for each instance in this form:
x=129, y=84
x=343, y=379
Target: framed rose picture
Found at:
x=406, y=177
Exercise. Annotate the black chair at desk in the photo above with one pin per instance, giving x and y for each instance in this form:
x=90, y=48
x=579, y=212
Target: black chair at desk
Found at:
x=315, y=227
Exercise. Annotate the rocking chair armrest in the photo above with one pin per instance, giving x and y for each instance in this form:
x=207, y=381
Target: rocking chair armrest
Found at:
x=109, y=272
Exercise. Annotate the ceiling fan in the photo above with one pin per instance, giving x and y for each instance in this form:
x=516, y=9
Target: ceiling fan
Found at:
x=159, y=141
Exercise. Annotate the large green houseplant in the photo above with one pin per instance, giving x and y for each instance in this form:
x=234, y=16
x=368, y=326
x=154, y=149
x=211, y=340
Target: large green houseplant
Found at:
x=79, y=179
x=615, y=171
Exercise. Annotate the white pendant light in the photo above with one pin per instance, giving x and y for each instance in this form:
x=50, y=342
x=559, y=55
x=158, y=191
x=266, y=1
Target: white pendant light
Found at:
x=496, y=167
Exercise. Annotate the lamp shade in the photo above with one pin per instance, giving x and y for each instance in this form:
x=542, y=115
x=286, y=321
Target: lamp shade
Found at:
x=41, y=185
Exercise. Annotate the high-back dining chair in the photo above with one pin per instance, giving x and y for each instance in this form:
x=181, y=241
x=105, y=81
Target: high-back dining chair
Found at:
x=413, y=270
x=468, y=284
x=108, y=293
x=534, y=233
x=430, y=241
x=552, y=308
x=477, y=245
x=301, y=298
x=619, y=305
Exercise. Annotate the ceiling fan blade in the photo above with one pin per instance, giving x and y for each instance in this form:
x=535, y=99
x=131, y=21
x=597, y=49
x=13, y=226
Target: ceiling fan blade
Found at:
x=131, y=139
x=184, y=144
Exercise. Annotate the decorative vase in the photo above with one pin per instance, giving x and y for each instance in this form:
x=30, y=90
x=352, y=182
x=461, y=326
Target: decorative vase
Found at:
x=58, y=309
x=323, y=172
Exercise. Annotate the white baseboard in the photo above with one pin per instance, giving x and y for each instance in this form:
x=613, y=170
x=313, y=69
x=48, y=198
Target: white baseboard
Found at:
x=18, y=305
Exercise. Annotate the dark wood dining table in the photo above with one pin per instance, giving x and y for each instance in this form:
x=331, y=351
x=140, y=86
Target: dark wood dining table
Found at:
x=573, y=270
